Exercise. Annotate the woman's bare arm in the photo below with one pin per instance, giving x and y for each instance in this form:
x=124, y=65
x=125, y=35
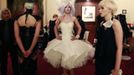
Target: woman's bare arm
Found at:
x=36, y=35
x=18, y=38
x=56, y=28
x=119, y=41
x=78, y=27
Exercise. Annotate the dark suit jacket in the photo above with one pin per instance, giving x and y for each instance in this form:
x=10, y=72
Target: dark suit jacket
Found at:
x=126, y=31
x=10, y=32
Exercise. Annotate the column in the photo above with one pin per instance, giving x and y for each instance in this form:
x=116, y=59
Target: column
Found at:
x=3, y=4
x=44, y=11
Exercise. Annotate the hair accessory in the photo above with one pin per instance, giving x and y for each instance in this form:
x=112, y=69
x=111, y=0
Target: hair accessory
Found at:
x=29, y=4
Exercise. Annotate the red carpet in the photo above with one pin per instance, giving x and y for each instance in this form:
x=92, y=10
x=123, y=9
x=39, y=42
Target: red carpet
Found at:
x=45, y=68
x=128, y=66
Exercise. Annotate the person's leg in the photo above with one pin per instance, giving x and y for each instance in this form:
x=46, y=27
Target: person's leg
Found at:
x=33, y=67
x=21, y=69
x=0, y=58
x=0, y=54
x=4, y=60
x=14, y=57
x=65, y=71
x=29, y=67
x=71, y=72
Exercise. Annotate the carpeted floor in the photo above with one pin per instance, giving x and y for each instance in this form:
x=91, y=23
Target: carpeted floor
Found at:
x=45, y=68
x=88, y=69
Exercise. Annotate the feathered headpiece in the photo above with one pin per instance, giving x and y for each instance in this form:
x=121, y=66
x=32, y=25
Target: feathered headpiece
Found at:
x=63, y=3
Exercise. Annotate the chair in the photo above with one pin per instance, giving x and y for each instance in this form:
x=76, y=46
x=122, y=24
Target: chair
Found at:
x=85, y=37
x=127, y=48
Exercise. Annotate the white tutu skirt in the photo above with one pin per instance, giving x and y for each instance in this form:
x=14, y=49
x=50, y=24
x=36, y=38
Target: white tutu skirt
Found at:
x=68, y=54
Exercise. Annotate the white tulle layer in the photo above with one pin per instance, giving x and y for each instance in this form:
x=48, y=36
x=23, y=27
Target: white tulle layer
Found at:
x=68, y=54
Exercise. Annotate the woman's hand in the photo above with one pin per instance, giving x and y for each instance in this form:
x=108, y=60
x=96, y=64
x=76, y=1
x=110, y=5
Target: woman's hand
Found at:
x=28, y=52
x=74, y=38
x=115, y=72
x=24, y=53
x=59, y=37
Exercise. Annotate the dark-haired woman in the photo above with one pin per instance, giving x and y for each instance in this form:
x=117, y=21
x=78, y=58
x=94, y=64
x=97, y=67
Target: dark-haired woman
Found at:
x=27, y=29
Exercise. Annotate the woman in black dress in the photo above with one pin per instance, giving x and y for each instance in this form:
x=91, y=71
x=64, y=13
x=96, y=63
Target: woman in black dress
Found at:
x=27, y=29
x=109, y=41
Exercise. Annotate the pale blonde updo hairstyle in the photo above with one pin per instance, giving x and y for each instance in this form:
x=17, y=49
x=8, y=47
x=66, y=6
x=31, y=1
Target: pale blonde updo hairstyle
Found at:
x=109, y=4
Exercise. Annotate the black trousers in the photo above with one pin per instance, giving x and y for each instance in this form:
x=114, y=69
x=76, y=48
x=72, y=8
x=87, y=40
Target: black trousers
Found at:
x=5, y=49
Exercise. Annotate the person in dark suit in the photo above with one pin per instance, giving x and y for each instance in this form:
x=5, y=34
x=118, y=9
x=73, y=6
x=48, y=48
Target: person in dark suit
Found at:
x=126, y=31
x=51, y=27
x=7, y=41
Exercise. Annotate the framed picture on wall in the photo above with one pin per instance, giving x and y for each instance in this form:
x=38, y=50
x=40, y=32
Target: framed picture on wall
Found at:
x=88, y=13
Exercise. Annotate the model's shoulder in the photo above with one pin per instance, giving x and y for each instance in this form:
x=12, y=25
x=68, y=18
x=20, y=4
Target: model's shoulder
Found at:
x=60, y=17
x=116, y=22
x=73, y=18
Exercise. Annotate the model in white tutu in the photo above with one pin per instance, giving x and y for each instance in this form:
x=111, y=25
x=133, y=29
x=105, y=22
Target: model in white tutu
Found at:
x=66, y=50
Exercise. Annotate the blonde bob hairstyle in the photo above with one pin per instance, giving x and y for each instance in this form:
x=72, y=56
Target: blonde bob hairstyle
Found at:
x=5, y=10
x=61, y=8
x=109, y=4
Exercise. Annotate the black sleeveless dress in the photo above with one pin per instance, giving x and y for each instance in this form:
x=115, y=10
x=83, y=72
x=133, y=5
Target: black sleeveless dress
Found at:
x=29, y=65
x=27, y=35
x=105, y=50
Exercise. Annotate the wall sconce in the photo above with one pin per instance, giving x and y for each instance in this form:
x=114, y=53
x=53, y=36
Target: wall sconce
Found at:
x=87, y=0
x=124, y=11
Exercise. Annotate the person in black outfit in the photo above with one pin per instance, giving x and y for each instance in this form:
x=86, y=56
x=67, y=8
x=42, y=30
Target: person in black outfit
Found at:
x=7, y=41
x=126, y=31
x=51, y=27
x=109, y=36
x=82, y=24
x=27, y=30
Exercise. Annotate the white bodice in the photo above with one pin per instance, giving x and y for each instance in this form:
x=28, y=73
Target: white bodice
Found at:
x=66, y=30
